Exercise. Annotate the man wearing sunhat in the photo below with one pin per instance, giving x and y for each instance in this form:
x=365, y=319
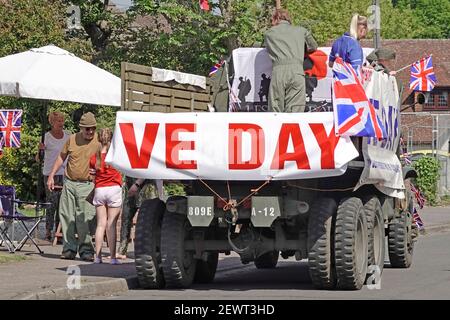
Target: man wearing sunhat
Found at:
x=76, y=214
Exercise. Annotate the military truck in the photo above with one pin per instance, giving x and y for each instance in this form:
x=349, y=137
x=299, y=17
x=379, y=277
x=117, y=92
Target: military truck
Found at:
x=340, y=231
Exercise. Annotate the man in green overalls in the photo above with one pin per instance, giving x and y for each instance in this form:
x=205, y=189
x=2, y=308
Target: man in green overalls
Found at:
x=285, y=44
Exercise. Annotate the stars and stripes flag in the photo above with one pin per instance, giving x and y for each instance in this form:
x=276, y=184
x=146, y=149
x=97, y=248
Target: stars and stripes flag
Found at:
x=419, y=196
x=354, y=114
x=417, y=220
x=422, y=75
x=216, y=67
x=204, y=5
x=10, y=125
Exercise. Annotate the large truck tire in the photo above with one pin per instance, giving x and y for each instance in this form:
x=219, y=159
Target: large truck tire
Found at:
x=268, y=260
x=178, y=265
x=351, y=244
x=320, y=243
x=148, y=244
x=206, y=270
x=400, y=240
x=376, y=235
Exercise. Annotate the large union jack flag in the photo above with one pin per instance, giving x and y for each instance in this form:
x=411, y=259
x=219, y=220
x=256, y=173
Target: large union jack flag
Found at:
x=354, y=114
x=422, y=75
x=10, y=125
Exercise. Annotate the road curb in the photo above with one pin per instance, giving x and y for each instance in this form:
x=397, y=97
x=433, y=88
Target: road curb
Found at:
x=100, y=288
x=437, y=228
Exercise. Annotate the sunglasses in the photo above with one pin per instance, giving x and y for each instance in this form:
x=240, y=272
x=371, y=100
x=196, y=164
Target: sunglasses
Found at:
x=90, y=128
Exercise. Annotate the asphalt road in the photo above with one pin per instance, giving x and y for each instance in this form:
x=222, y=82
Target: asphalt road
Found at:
x=428, y=278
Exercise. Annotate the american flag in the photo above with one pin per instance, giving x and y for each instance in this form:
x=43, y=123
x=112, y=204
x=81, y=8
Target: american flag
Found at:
x=215, y=68
x=354, y=114
x=10, y=125
x=422, y=75
x=417, y=220
x=419, y=196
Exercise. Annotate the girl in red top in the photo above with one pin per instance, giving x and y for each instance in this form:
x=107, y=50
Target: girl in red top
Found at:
x=107, y=198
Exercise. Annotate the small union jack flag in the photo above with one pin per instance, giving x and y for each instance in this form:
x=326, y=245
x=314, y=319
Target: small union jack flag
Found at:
x=417, y=220
x=216, y=67
x=422, y=75
x=354, y=114
x=10, y=125
x=419, y=196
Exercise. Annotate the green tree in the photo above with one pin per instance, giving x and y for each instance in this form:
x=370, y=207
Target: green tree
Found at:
x=329, y=19
x=432, y=17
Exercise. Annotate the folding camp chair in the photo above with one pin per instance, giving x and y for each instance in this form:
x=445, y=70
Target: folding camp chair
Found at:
x=10, y=215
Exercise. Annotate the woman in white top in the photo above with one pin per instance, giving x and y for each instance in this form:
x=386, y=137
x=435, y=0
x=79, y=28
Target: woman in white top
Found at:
x=53, y=143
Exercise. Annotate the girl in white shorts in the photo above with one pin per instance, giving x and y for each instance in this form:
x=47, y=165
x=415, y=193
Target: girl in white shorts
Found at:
x=107, y=197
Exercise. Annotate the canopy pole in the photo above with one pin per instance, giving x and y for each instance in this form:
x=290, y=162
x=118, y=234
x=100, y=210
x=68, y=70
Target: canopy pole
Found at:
x=41, y=152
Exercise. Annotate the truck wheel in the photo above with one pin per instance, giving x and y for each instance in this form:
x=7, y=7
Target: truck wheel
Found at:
x=268, y=260
x=178, y=264
x=401, y=244
x=351, y=244
x=206, y=270
x=376, y=239
x=148, y=243
x=320, y=245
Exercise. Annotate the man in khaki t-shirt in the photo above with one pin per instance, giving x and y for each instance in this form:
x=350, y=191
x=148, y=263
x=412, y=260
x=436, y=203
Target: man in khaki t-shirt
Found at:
x=76, y=214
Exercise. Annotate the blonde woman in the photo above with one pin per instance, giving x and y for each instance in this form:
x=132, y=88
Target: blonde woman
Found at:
x=107, y=197
x=54, y=140
x=348, y=47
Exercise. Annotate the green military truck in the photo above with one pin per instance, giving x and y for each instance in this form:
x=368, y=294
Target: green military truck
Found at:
x=340, y=231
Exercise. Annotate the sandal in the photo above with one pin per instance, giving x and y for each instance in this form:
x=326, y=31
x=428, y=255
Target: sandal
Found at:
x=98, y=260
x=114, y=261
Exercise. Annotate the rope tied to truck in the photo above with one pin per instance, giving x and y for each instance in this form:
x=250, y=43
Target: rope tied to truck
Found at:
x=231, y=204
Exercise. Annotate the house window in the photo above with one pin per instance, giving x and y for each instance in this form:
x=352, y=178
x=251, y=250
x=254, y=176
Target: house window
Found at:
x=442, y=99
x=437, y=100
x=430, y=102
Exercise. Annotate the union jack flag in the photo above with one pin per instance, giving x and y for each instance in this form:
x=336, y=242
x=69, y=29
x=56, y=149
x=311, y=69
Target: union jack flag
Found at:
x=422, y=75
x=354, y=114
x=417, y=220
x=10, y=125
x=419, y=196
x=215, y=68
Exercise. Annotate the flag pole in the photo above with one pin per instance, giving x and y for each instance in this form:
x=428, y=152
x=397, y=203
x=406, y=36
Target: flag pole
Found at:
x=278, y=4
x=409, y=65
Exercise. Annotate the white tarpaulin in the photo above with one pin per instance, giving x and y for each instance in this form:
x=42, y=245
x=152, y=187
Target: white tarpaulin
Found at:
x=51, y=73
x=228, y=146
x=382, y=166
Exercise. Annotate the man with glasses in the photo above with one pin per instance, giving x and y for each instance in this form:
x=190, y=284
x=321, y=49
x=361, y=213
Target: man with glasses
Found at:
x=76, y=214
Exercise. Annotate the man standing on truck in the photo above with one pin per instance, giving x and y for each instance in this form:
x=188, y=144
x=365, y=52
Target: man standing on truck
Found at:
x=285, y=44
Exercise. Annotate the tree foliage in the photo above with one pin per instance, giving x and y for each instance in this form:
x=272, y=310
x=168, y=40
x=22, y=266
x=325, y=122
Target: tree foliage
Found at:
x=428, y=176
x=432, y=17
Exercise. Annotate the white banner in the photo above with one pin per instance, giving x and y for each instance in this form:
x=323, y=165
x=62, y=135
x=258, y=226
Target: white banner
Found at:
x=382, y=165
x=253, y=71
x=228, y=146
